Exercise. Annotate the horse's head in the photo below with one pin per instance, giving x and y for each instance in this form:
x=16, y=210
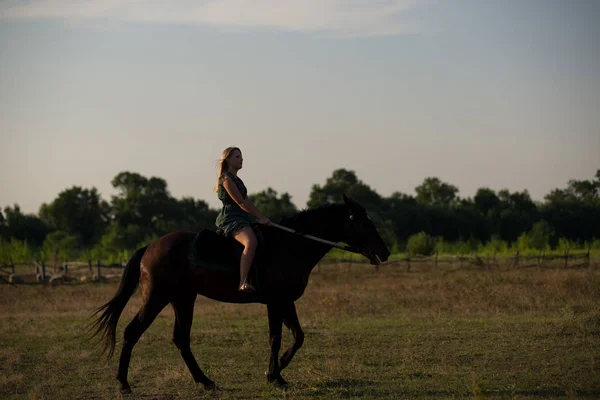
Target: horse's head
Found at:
x=360, y=233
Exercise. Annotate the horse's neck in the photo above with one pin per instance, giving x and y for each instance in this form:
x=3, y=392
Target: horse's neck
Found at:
x=324, y=224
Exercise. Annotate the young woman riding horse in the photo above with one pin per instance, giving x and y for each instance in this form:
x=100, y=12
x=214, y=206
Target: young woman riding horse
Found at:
x=235, y=219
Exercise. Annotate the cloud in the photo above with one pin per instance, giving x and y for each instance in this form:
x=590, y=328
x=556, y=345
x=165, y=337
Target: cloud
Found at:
x=337, y=17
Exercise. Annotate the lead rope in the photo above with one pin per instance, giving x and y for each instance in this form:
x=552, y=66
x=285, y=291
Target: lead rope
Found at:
x=311, y=237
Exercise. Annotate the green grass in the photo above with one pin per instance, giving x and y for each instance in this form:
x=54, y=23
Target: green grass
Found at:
x=446, y=257
x=442, y=334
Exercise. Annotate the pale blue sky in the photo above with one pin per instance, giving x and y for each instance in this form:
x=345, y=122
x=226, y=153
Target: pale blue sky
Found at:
x=502, y=94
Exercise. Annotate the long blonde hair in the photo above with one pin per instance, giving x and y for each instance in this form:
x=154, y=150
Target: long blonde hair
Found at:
x=223, y=164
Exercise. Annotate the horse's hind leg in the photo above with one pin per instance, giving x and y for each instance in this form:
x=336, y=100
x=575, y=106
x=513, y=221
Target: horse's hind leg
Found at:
x=290, y=320
x=138, y=325
x=183, y=305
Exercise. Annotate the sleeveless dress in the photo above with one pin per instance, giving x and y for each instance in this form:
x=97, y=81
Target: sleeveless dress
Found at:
x=232, y=217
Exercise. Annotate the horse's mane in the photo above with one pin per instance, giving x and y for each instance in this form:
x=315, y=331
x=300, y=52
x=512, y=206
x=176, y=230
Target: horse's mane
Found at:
x=309, y=214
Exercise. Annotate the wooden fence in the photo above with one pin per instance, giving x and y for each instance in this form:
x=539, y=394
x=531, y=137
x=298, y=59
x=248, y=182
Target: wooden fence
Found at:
x=39, y=272
x=488, y=261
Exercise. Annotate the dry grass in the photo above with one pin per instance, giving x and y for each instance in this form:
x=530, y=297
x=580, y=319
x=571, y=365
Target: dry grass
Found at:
x=443, y=333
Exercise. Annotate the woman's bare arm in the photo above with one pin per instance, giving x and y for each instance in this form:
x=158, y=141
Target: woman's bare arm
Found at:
x=245, y=204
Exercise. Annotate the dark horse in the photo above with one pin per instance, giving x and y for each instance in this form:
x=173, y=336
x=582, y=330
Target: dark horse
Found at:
x=165, y=275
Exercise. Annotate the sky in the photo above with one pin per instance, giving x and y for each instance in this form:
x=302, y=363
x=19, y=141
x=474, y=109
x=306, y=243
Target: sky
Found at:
x=502, y=94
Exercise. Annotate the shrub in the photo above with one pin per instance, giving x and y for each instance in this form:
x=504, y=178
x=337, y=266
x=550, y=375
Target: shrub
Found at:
x=539, y=236
x=420, y=244
x=16, y=250
x=495, y=246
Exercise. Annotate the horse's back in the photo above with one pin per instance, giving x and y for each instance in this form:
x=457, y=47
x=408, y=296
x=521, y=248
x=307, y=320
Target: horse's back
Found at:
x=208, y=264
x=166, y=257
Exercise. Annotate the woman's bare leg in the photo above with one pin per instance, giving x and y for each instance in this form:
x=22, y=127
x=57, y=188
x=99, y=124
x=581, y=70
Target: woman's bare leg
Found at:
x=246, y=237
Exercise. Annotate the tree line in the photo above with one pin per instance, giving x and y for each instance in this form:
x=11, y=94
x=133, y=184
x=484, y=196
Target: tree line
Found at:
x=79, y=223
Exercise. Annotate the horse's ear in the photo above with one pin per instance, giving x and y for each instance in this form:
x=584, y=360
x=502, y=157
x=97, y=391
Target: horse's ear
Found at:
x=347, y=200
x=352, y=205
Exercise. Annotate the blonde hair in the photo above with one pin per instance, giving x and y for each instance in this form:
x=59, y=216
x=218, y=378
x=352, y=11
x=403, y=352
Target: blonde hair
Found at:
x=223, y=164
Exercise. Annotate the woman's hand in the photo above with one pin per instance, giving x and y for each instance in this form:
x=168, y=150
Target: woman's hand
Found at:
x=264, y=220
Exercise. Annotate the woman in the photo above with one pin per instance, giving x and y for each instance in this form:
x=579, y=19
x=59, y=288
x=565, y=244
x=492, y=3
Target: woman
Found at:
x=236, y=217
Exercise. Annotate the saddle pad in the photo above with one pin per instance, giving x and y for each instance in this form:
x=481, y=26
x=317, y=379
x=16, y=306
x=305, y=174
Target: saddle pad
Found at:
x=213, y=251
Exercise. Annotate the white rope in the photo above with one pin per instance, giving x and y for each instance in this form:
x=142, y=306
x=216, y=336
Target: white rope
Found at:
x=339, y=246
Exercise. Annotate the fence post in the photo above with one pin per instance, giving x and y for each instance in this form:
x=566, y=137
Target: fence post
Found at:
x=66, y=269
x=544, y=257
x=98, y=268
x=55, y=261
x=12, y=265
x=587, y=256
x=43, y=271
x=408, y=262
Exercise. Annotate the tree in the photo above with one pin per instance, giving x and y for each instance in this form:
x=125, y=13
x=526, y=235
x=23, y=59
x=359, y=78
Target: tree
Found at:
x=78, y=212
x=196, y=214
x=539, y=235
x=128, y=237
x=401, y=211
x=24, y=227
x=516, y=214
x=521, y=201
x=142, y=202
x=61, y=245
x=558, y=196
x=585, y=190
x=467, y=221
x=143, y=209
x=486, y=200
x=574, y=212
x=435, y=192
x=187, y=214
x=341, y=182
x=273, y=207
x=2, y=225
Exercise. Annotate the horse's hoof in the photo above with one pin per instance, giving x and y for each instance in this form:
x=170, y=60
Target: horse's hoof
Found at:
x=126, y=390
x=280, y=383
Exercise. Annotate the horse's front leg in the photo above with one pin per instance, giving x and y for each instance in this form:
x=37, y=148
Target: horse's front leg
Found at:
x=290, y=318
x=275, y=313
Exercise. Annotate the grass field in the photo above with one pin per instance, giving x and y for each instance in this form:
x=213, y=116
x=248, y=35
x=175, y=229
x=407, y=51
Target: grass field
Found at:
x=430, y=333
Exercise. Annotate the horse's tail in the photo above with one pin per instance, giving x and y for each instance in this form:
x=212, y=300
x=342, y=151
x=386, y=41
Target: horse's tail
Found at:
x=106, y=324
